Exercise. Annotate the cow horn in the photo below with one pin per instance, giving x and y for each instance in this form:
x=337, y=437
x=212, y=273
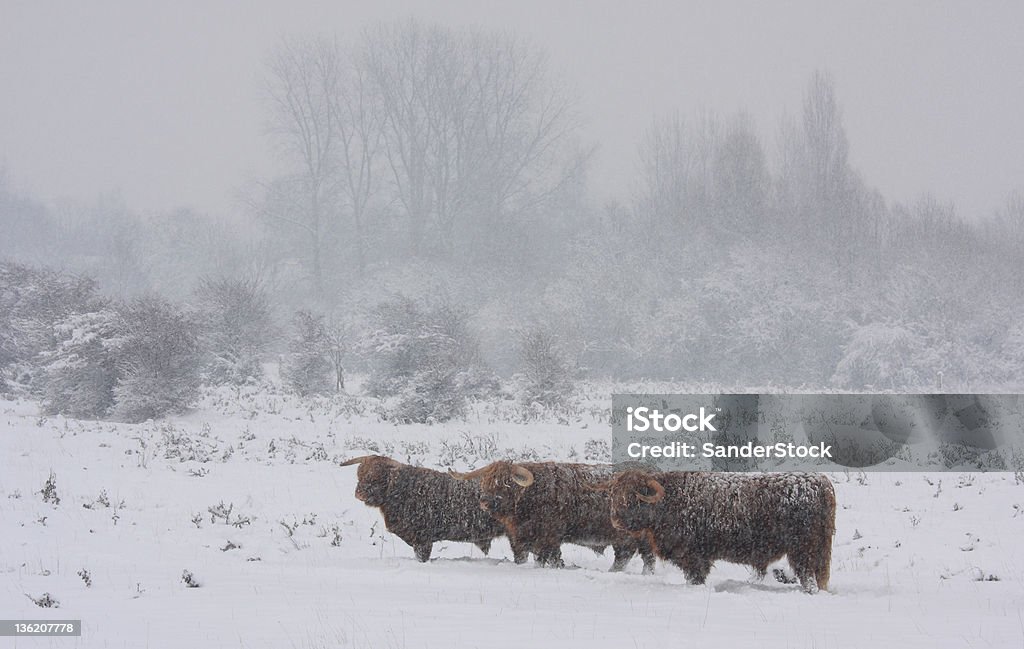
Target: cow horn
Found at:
x=522, y=476
x=659, y=492
x=356, y=460
x=472, y=475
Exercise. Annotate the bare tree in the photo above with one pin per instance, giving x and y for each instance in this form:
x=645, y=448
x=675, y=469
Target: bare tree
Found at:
x=317, y=350
x=303, y=82
x=665, y=163
x=475, y=131
x=358, y=121
x=396, y=58
x=820, y=199
x=335, y=346
x=701, y=176
x=516, y=134
x=740, y=179
x=676, y=167
x=825, y=138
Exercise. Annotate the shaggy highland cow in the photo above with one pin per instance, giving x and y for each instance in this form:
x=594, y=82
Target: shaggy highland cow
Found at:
x=545, y=504
x=421, y=506
x=694, y=519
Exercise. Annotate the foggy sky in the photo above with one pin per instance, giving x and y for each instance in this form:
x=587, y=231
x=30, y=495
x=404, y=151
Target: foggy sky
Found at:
x=160, y=101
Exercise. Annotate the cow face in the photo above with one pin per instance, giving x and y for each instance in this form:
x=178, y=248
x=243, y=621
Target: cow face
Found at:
x=374, y=479
x=501, y=486
x=635, y=499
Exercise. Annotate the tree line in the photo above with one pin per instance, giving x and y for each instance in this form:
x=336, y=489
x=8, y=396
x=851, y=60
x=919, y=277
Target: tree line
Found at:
x=426, y=170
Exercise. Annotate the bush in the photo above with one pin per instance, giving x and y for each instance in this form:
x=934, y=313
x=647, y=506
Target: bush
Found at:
x=427, y=357
x=235, y=325
x=78, y=377
x=307, y=370
x=32, y=300
x=158, y=363
x=547, y=377
x=884, y=356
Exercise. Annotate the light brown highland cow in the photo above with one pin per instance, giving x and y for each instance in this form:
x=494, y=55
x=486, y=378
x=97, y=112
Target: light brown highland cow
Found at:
x=545, y=504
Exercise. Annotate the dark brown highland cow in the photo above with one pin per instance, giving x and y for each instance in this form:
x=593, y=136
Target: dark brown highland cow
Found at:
x=545, y=504
x=421, y=506
x=694, y=519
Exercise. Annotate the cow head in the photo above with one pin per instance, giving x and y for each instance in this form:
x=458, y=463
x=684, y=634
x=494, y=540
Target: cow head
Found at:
x=374, y=478
x=635, y=497
x=501, y=485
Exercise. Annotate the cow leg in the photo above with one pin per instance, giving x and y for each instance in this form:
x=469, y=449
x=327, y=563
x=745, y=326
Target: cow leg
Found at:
x=550, y=557
x=823, y=568
x=520, y=553
x=555, y=561
x=807, y=582
x=820, y=560
x=804, y=573
x=422, y=551
x=623, y=553
x=649, y=559
x=695, y=569
x=760, y=570
x=485, y=546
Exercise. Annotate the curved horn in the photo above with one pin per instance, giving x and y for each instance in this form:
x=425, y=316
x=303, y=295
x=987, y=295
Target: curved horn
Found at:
x=356, y=460
x=522, y=476
x=659, y=492
x=472, y=475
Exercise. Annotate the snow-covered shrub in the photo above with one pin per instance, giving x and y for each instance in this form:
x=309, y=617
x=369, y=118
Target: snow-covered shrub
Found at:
x=432, y=395
x=189, y=579
x=49, y=490
x=547, y=375
x=1011, y=350
x=32, y=301
x=46, y=600
x=882, y=356
x=78, y=377
x=426, y=357
x=754, y=321
x=315, y=354
x=179, y=445
x=159, y=361
x=235, y=326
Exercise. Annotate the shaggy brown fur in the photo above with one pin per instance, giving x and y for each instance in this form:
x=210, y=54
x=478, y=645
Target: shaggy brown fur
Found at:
x=695, y=519
x=421, y=506
x=557, y=506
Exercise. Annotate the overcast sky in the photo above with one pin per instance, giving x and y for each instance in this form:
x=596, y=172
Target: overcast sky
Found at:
x=159, y=100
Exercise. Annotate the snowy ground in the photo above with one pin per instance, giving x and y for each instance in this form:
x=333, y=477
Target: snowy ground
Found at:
x=919, y=560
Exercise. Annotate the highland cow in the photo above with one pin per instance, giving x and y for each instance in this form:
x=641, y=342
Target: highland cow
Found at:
x=545, y=504
x=695, y=519
x=421, y=506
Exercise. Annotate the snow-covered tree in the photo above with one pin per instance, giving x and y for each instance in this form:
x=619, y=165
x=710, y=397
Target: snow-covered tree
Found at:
x=236, y=328
x=425, y=356
x=884, y=356
x=32, y=301
x=547, y=375
x=315, y=352
x=159, y=360
x=79, y=376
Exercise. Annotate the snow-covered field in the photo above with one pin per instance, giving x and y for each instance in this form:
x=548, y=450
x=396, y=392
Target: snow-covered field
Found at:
x=292, y=559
